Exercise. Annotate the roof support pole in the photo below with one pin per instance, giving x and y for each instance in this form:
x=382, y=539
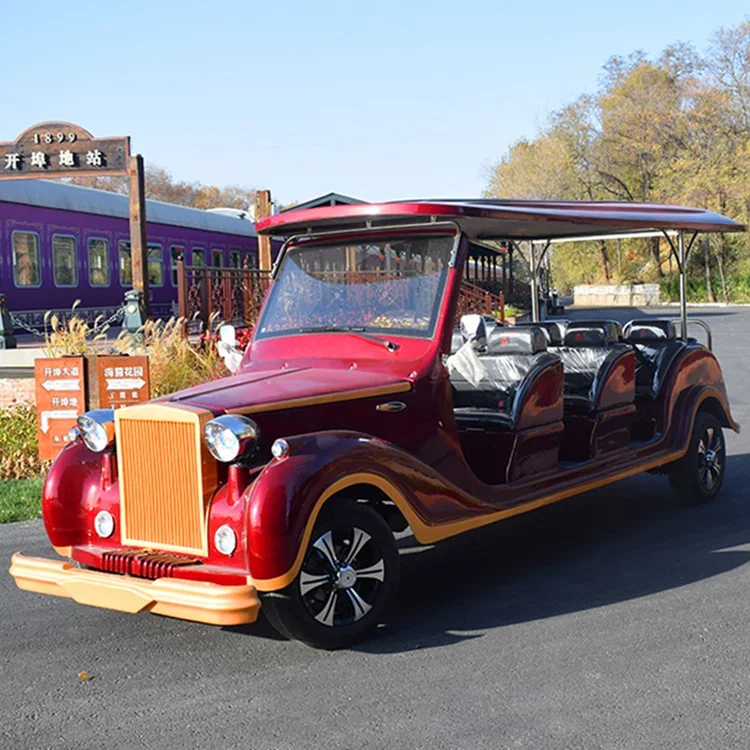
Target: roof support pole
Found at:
x=681, y=255
x=534, y=273
x=683, y=284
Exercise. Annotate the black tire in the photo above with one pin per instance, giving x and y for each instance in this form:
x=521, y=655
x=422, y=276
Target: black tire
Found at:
x=698, y=476
x=348, y=578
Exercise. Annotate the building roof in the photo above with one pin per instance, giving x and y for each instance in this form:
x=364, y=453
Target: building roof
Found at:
x=329, y=199
x=49, y=194
x=487, y=219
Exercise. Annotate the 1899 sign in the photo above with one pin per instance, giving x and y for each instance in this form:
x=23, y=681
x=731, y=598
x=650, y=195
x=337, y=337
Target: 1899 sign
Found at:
x=55, y=137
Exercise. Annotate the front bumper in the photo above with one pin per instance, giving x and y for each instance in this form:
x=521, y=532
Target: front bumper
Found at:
x=199, y=601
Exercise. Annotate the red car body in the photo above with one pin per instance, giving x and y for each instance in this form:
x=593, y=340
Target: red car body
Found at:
x=361, y=418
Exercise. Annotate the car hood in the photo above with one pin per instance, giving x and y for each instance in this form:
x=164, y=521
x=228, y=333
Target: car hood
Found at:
x=284, y=388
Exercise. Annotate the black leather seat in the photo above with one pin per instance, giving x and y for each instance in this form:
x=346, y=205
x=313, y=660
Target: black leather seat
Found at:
x=657, y=345
x=512, y=358
x=590, y=349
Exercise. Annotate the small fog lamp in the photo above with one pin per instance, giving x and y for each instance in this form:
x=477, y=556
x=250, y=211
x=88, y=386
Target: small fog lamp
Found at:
x=97, y=429
x=104, y=524
x=230, y=437
x=225, y=540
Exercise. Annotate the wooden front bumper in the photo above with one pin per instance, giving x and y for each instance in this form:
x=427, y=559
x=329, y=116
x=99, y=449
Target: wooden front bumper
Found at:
x=188, y=600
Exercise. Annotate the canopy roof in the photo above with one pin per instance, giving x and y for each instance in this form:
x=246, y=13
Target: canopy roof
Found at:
x=488, y=219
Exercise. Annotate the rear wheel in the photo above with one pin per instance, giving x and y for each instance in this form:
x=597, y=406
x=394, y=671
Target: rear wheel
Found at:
x=698, y=476
x=348, y=577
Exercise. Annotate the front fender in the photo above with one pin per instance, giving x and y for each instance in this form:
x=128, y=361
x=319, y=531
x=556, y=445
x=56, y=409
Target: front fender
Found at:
x=285, y=499
x=72, y=486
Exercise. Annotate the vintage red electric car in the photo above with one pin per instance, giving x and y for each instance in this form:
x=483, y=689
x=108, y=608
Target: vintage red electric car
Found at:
x=360, y=408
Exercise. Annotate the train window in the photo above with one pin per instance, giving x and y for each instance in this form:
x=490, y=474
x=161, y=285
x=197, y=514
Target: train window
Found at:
x=175, y=252
x=199, y=257
x=252, y=261
x=125, y=262
x=98, y=262
x=217, y=258
x=234, y=259
x=64, y=260
x=155, y=266
x=27, y=270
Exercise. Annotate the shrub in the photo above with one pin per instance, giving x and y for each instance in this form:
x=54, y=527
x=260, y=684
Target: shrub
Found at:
x=18, y=449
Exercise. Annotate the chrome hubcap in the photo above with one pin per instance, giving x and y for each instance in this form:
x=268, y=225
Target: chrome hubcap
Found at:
x=341, y=577
x=710, y=458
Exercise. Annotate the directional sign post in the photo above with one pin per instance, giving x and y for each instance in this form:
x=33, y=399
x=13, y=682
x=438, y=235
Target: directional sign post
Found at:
x=60, y=399
x=123, y=381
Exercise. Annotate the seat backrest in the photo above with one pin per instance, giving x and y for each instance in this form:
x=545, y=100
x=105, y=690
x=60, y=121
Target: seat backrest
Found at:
x=554, y=330
x=474, y=330
x=657, y=344
x=592, y=333
x=589, y=349
x=648, y=330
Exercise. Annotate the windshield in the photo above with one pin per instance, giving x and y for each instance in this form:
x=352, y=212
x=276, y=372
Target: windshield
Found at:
x=390, y=285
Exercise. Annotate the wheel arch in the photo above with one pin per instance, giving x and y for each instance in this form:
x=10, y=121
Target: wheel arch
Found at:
x=713, y=406
x=377, y=492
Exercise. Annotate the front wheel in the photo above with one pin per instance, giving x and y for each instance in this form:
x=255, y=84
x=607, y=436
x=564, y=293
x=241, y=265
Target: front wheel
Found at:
x=698, y=476
x=348, y=577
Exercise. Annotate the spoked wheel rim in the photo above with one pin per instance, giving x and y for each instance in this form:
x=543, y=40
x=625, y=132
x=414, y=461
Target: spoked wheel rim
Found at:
x=710, y=459
x=342, y=577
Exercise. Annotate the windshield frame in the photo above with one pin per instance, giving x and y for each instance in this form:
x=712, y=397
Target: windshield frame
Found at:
x=448, y=230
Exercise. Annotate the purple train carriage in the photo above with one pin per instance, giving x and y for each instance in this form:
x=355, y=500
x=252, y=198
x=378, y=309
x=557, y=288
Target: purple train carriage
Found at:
x=60, y=243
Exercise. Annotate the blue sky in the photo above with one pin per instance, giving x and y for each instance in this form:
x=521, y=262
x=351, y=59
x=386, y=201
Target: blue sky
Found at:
x=378, y=100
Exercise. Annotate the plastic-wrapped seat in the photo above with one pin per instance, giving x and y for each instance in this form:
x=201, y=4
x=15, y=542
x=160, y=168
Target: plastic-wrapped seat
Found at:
x=599, y=389
x=590, y=349
x=657, y=344
x=508, y=405
x=493, y=391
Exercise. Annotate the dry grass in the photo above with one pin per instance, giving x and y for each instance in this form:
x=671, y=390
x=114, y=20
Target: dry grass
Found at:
x=72, y=336
x=174, y=363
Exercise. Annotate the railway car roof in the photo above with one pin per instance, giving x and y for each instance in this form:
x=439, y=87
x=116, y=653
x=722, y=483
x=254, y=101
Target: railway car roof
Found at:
x=48, y=194
x=488, y=219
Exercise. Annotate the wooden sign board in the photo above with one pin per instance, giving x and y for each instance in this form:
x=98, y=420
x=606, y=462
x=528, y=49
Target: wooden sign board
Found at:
x=60, y=400
x=62, y=149
x=122, y=381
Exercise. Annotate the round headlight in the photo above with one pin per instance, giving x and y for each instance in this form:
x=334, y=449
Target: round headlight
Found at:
x=230, y=437
x=104, y=524
x=97, y=429
x=225, y=540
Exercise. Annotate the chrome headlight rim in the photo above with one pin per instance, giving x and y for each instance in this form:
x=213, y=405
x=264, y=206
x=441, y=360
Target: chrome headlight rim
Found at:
x=231, y=437
x=97, y=429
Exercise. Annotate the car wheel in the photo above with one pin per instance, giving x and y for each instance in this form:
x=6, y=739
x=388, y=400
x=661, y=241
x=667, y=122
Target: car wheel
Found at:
x=348, y=577
x=698, y=476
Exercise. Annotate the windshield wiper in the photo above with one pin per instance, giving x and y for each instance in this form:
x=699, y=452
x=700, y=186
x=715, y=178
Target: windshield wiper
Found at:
x=389, y=345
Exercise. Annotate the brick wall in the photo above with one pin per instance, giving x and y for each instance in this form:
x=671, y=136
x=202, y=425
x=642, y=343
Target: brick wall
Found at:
x=13, y=390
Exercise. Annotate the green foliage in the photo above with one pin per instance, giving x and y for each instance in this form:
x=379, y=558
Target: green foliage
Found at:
x=738, y=288
x=20, y=500
x=18, y=449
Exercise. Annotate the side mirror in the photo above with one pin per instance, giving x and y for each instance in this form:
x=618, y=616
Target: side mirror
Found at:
x=228, y=335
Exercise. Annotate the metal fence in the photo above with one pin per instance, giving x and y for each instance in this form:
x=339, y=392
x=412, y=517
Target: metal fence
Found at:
x=229, y=295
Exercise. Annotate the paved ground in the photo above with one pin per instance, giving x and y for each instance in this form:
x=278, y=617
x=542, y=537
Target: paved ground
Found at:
x=616, y=619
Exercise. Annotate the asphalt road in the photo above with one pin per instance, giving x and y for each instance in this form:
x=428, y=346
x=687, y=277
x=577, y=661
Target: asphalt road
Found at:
x=616, y=619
